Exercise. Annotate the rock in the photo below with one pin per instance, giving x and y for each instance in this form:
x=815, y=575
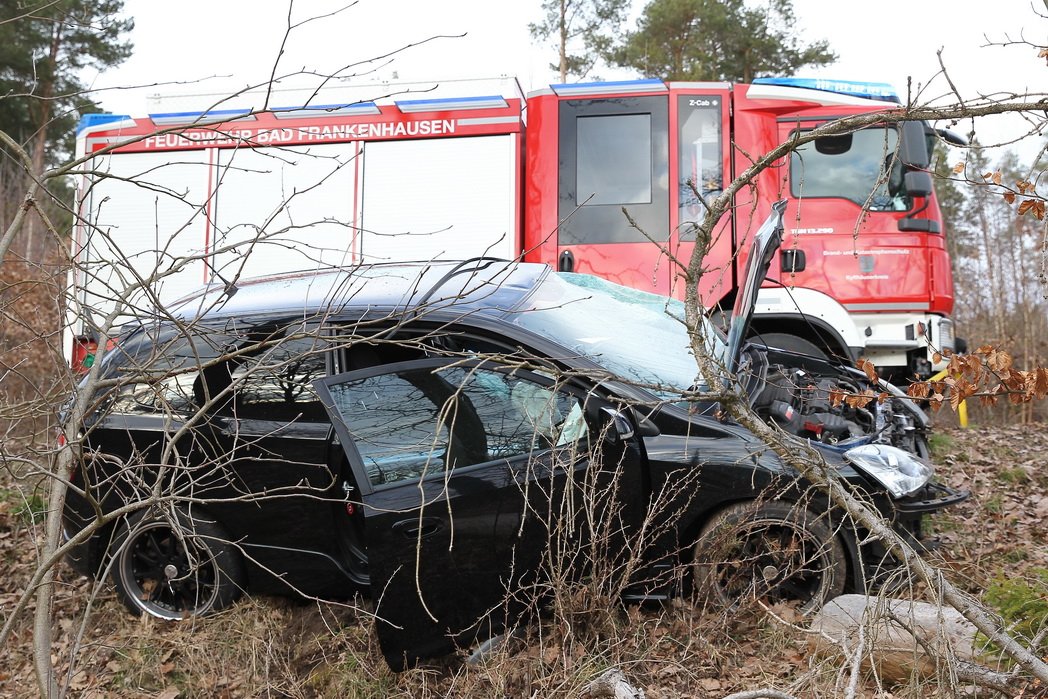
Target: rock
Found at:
x=612, y=684
x=890, y=627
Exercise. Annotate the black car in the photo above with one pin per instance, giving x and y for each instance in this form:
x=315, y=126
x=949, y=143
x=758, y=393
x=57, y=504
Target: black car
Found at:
x=429, y=432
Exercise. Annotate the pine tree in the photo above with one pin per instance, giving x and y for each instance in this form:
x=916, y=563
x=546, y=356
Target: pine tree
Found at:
x=717, y=40
x=44, y=45
x=591, y=22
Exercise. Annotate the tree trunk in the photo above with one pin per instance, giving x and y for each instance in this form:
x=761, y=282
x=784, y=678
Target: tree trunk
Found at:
x=564, y=41
x=43, y=118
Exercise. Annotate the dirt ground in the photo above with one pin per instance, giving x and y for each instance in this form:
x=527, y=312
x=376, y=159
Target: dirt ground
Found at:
x=269, y=647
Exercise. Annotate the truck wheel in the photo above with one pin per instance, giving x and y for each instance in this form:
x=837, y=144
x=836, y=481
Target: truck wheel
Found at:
x=790, y=343
x=769, y=551
x=174, y=566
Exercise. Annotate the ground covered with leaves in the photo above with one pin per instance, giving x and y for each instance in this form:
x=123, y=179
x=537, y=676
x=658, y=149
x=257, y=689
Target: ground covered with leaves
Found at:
x=995, y=546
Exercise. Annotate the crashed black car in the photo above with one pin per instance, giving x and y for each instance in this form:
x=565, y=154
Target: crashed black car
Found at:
x=424, y=432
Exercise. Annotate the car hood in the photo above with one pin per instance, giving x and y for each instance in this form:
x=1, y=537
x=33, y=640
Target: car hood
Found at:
x=766, y=242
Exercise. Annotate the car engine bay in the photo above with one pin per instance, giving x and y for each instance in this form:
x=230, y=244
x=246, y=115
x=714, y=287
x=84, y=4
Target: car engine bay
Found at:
x=820, y=401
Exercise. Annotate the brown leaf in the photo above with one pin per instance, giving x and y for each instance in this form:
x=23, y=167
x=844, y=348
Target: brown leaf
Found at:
x=1040, y=384
x=867, y=367
x=918, y=389
x=958, y=168
x=861, y=400
x=999, y=360
x=1009, y=197
x=837, y=396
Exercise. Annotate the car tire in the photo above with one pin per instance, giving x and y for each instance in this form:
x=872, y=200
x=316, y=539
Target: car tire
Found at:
x=173, y=566
x=770, y=551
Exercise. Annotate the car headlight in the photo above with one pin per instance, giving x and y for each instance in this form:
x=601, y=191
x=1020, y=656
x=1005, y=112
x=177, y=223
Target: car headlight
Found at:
x=898, y=471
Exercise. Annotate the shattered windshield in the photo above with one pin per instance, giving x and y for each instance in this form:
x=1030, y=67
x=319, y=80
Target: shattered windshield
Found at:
x=637, y=336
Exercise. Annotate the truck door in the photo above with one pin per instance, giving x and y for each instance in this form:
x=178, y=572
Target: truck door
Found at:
x=452, y=461
x=700, y=168
x=613, y=184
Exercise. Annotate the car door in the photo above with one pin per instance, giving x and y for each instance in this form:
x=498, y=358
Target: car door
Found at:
x=449, y=457
x=270, y=437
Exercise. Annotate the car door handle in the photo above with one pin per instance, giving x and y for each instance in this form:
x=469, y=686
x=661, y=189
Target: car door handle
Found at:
x=419, y=528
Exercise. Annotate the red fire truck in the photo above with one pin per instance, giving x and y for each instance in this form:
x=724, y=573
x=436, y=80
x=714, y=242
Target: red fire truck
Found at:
x=606, y=178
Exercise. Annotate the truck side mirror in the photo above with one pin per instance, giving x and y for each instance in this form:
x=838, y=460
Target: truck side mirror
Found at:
x=914, y=148
x=918, y=183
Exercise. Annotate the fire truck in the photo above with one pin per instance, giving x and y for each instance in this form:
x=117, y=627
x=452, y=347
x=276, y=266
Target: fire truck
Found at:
x=607, y=178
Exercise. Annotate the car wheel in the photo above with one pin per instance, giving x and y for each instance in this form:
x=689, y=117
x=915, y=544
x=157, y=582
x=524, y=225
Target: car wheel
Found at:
x=174, y=566
x=768, y=551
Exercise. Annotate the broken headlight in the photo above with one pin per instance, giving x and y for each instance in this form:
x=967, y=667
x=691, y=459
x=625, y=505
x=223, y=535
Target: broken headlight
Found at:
x=899, y=472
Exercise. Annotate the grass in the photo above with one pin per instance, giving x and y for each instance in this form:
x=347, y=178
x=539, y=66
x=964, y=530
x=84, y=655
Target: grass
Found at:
x=1013, y=476
x=994, y=504
x=271, y=647
x=941, y=445
x=26, y=509
x=1023, y=604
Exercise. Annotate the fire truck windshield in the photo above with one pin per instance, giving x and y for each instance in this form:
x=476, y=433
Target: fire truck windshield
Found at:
x=860, y=167
x=633, y=334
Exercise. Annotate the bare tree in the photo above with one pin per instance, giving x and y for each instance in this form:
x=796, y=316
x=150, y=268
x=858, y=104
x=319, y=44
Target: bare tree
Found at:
x=173, y=482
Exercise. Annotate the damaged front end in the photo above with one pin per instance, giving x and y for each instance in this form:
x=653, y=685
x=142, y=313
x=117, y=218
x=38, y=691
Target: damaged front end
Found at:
x=809, y=398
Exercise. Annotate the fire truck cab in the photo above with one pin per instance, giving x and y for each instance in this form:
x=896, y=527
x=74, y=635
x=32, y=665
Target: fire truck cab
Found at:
x=618, y=176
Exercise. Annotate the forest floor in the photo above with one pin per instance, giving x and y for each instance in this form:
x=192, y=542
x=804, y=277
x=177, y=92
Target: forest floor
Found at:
x=997, y=541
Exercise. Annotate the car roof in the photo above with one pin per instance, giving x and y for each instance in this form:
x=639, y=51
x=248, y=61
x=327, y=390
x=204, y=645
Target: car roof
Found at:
x=479, y=285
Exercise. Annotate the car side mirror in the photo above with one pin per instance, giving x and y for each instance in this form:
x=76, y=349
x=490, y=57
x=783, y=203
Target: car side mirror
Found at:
x=647, y=428
x=622, y=424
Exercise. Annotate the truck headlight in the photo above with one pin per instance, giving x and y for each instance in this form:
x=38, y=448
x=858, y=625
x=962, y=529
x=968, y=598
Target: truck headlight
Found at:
x=898, y=471
x=946, y=338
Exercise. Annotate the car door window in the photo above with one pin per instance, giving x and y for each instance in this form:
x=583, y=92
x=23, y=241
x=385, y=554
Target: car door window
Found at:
x=277, y=384
x=419, y=422
x=157, y=369
x=272, y=384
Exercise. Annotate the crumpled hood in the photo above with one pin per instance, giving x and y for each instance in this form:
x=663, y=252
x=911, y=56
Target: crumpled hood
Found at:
x=766, y=242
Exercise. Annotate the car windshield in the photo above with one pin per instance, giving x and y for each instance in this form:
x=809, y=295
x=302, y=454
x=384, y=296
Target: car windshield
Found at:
x=637, y=336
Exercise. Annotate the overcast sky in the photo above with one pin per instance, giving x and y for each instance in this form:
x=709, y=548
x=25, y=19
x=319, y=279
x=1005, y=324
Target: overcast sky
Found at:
x=222, y=45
